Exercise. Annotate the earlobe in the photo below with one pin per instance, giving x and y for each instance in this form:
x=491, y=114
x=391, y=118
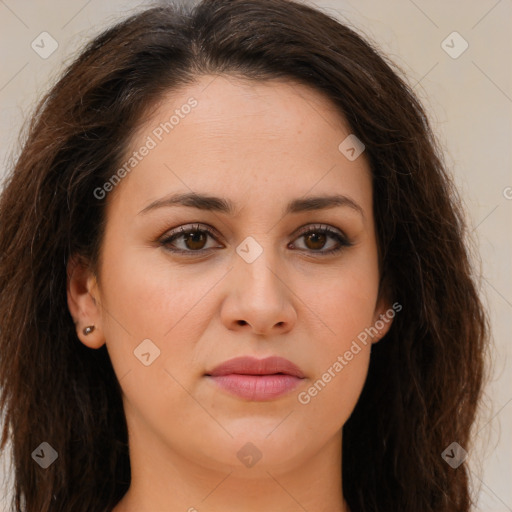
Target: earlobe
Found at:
x=83, y=304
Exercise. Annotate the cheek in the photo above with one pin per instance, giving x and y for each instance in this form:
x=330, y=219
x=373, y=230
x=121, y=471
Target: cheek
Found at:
x=150, y=295
x=142, y=300
x=346, y=309
x=346, y=298
x=342, y=356
x=349, y=310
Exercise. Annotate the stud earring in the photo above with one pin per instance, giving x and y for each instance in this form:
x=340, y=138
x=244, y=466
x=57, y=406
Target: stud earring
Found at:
x=87, y=330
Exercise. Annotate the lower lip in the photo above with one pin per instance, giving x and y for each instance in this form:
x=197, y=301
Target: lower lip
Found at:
x=257, y=387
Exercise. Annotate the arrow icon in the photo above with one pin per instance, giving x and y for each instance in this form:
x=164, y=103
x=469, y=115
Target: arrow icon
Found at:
x=454, y=455
x=146, y=352
x=249, y=249
x=454, y=45
x=44, y=455
x=249, y=455
x=44, y=45
x=351, y=147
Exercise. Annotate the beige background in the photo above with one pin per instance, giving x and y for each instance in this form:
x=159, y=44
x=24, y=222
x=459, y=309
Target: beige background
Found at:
x=470, y=102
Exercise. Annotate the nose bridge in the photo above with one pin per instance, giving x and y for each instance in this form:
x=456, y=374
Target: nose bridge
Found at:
x=258, y=266
x=259, y=294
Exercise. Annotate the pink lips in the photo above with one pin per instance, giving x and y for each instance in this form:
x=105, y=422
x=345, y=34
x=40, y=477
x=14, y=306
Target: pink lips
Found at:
x=257, y=379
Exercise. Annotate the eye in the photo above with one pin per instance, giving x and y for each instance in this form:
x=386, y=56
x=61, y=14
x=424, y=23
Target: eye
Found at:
x=193, y=239
x=316, y=237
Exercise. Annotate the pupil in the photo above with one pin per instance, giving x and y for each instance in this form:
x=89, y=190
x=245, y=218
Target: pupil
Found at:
x=316, y=238
x=195, y=238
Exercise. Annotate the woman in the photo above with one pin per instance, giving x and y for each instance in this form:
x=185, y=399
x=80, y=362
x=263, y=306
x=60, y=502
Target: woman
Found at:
x=234, y=277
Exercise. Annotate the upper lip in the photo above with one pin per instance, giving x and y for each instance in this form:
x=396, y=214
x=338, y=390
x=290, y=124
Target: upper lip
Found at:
x=246, y=365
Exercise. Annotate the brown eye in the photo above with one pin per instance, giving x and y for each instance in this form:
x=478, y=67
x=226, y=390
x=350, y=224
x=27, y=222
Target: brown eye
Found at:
x=315, y=241
x=195, y=240
x=317, y=237
x=183, y=240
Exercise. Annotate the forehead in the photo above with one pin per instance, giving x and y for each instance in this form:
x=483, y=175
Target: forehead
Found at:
x=239, y=137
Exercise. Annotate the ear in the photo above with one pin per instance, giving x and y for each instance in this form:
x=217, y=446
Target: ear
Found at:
x=83, y=302
x=384, y=311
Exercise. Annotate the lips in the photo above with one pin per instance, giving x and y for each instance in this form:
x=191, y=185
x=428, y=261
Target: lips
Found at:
x=253, y=366
x=257, y=379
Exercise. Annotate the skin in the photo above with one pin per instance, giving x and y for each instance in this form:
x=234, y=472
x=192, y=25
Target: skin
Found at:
x=260, y=145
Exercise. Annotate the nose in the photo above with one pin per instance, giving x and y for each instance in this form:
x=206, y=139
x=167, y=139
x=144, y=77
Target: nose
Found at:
x=260, y=297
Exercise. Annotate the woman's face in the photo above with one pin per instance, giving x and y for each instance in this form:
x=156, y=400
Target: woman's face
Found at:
x=267, y=281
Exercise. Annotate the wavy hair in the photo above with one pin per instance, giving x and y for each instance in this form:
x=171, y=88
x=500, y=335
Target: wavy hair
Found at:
x=425, y=378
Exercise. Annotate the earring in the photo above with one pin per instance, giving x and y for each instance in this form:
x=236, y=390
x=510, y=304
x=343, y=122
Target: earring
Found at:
x=87, y=330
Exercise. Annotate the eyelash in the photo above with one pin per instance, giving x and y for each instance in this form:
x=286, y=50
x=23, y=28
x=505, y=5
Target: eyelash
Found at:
x=182, y=230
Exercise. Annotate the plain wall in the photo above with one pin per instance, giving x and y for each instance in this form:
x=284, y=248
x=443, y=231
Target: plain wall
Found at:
x=469, y=99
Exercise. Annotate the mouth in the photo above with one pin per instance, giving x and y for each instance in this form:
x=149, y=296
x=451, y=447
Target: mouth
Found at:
x=257, y=379
x=257, y=387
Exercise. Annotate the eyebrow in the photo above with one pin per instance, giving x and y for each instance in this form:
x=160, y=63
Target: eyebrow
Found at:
x=226, y=206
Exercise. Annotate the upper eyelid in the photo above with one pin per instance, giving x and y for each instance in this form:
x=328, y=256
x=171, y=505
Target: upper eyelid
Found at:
x=211, y=231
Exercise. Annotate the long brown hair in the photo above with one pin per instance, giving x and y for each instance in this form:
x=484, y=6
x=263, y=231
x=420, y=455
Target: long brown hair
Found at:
x=425, y=377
